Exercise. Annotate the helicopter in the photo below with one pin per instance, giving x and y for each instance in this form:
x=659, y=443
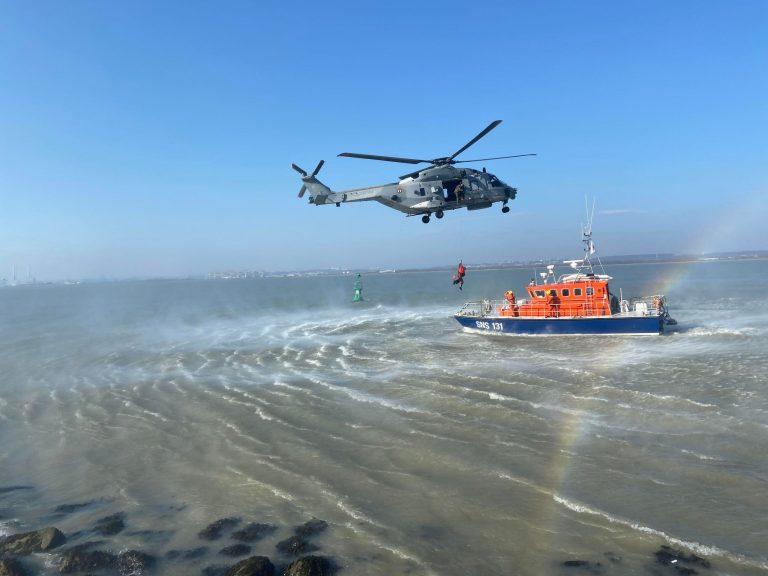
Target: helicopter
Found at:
x=432, y=190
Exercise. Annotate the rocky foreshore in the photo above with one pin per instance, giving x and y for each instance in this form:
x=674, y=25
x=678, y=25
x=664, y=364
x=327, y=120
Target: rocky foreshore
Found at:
x=227, y=549
x=229, y=546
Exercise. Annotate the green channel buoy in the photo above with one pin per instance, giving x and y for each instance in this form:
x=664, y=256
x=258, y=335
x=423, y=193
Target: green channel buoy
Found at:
x=358, y=289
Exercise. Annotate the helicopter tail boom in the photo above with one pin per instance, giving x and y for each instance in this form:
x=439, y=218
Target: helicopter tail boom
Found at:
x=320, y=194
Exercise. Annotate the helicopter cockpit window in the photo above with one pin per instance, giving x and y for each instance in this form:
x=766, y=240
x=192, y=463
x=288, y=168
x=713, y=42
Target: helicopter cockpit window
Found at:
x=494, y=181
x=421, y=192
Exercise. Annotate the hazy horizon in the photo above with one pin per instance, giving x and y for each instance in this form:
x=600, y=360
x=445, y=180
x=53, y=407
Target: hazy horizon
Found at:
x=609, y=260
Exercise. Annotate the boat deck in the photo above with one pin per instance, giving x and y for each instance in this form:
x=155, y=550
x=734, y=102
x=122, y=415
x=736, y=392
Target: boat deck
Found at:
x=651, y=306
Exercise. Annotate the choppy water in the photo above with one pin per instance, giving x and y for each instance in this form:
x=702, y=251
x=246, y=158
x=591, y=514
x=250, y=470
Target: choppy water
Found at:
x=427, y=449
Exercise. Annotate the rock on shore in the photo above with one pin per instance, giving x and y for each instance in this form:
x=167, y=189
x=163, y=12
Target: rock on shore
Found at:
x=41, y=540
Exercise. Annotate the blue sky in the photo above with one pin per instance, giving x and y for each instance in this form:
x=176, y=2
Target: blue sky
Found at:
x=155, y=138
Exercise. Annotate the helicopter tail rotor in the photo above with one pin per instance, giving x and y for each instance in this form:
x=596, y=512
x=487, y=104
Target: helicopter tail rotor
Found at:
x=304, y=175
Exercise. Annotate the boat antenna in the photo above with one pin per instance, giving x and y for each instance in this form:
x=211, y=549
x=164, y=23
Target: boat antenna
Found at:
x=586, y=232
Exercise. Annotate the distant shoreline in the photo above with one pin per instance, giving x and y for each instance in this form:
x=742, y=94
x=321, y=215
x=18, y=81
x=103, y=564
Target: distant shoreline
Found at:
x=756, y=255
x=608, y=260
x=612, y=261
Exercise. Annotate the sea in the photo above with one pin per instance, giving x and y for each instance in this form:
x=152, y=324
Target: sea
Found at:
x=427, y=449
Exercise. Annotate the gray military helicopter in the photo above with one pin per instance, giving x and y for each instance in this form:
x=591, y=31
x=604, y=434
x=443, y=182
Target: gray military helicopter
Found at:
x=431, y=190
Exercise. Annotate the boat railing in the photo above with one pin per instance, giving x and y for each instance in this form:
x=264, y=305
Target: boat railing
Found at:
x=636, y=306
x=645, y=305
x=479, y=308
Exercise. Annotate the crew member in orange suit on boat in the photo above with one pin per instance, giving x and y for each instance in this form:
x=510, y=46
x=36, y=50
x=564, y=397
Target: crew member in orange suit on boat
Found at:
x=509, y=308
x=554, y=303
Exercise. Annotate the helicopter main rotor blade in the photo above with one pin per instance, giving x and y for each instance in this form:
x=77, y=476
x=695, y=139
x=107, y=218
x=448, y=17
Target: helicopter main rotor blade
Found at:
x=495, y=158
x=490, y=127
x=383, y=158
x=319, y=165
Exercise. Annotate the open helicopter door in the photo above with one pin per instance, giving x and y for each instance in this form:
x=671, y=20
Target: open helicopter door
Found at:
x=450, y=186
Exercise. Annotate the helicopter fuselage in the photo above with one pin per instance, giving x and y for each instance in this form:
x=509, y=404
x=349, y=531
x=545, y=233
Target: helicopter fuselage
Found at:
x=429, y=191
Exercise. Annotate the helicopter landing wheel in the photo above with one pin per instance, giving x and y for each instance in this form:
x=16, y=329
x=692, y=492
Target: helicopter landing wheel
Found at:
x=439, y=214
x=425, y=218
x=505, y=209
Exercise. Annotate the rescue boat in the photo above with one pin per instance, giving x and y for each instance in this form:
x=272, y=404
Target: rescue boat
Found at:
x=577, y=302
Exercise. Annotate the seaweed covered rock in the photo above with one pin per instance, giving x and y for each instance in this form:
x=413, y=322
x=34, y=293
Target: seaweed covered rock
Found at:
x=64, y=509
x=311, y=528
x=235, y=550
x=190, y=554
x=253, y=532
x=576, y=563
x=296, y=546
x=669, y=556
x=299, y=543
x=31, y=542
x=310, y=566
x=11, y=567
x=111, y=525
x=585, y=565
x=253, y=566
x=80, y=559
x=215, y=530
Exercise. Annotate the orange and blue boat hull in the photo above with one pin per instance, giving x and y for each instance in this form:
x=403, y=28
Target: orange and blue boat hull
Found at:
x=617, y=324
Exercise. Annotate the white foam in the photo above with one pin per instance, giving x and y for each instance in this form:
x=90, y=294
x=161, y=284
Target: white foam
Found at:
x=369, y=398
x=697, y=547
x=289, y=386
x=521, y=481
x=700, y=456
x=722, y=331
x=349, y=510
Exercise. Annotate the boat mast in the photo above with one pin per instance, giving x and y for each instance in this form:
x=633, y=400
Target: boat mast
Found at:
x=586, y=233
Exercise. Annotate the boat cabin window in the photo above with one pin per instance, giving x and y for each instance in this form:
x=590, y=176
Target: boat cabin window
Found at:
x=566, y=292
x=577, y=291
x=539, y=293
x=590, y=291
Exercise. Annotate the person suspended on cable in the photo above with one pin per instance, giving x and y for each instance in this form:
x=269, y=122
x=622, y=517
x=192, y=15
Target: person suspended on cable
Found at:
x=458, y=278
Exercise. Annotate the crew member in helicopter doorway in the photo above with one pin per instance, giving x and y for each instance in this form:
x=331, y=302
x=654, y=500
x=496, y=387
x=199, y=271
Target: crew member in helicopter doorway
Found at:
x=458, y=278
